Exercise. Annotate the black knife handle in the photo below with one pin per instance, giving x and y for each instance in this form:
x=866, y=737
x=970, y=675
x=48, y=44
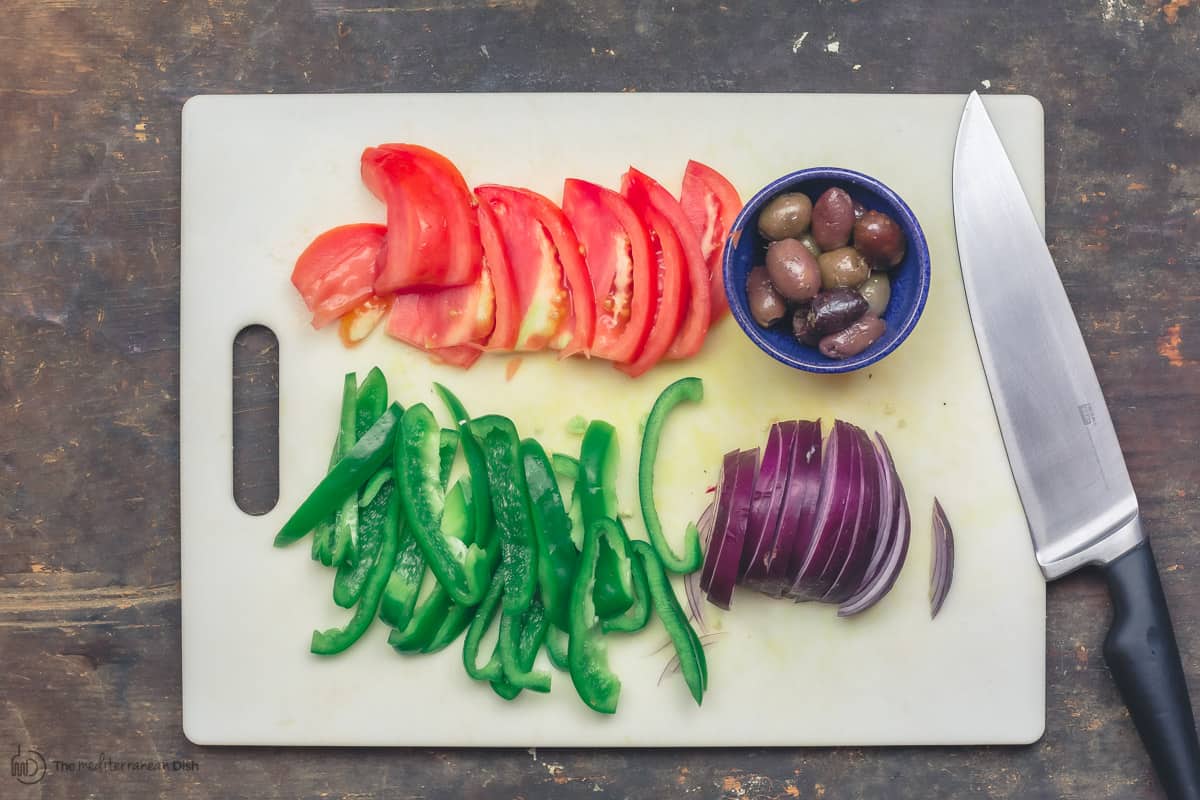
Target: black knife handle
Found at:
x=1144, y=660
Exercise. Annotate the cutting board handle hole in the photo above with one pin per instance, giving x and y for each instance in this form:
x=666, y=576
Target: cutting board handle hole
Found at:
x=256, y=419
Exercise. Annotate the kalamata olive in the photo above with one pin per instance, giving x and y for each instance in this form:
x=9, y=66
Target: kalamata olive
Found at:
x=767, y=306
x=802, y=326
x=879, y=239
x=832, y=219
x=859, y=210
x=876, y=290
x=810, y=244
x=835, y=309
x=853, y=340
x=793, y=270
x=786, y=216
x=842, y=267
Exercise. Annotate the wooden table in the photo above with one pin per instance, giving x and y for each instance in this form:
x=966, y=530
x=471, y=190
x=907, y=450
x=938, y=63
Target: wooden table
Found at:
x=90, y=94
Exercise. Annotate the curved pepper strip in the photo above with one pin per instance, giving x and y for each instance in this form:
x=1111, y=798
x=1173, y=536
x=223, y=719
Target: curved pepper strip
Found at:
x=587, y=653
x=557, y=556
x=447, y=449
x=484, y=617
x=510, y=509
x=345, y=526
x=616, y=589
x=404, y=584
x=688, y=647
x=323, y=534
x=556, y=648
x=457, y=619
x=634, y=619
x=462, y=569
x=424, y=625
x=534, y=627
x=515, y=632
x=352, y=575
x=344, y=480
x=567, y=468
x=476, y=464
x=684, y=389
x=335, y=640
x=596, y=489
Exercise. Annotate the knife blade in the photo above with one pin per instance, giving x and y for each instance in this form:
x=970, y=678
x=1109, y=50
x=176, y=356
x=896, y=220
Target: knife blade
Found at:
x=1065, y=457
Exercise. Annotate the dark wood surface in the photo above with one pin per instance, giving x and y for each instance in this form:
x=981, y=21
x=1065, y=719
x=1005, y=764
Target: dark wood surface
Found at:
x=90, y=97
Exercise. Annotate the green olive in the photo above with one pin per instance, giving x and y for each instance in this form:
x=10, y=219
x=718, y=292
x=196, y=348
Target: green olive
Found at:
x=844, y=266
x=786, y=216
x=876, y=290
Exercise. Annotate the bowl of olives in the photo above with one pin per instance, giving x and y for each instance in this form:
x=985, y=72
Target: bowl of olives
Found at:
x=827, y=270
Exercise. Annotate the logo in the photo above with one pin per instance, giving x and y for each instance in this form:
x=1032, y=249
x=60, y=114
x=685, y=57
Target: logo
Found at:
x=28, y=766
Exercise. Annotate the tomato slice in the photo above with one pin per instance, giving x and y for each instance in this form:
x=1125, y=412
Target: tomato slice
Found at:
x=433, y=233
x=463, y=356
x=618, y=256
x=496, y=263
x=442, y=318
x=641, y=188
x=669, y=292
x=711, y=204
x=554, y=292
x=336, y=271
x=357, y=323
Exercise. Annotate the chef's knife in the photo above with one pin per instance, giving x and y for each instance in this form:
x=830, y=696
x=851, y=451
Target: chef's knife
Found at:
x=1061, y=444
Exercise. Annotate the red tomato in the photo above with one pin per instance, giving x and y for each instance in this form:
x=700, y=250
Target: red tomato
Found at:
x=551, y=281
x=463, y=356
x=636, y=185
x=336, y=272
x=668, y=312
x=357, y=323
x=495, y=261
x=618, y=256
x=711, y=204
x=433, y=235
x=442, y=318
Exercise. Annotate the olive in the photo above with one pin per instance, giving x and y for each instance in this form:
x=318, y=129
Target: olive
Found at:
x=793, y=270
x=832, y=219
x=853, y=340
x=842, y=267
x=835, y=309
x=876, y=290
x=767, y=306
x=802, y=326
x=810, y=244
x=879, y=239
x=785, y=216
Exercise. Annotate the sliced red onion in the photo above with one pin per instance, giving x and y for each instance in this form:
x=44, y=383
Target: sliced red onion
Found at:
x=768, y=500
x=840, y=495
x=899, y=530
x=942, y=572
x=724, y=491
x=794, y=529
x=691, y=581
x=866, y=530
x=728, y=543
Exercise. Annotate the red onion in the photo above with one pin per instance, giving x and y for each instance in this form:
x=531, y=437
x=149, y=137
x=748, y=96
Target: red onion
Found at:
x=942, y=569
x=691, y=581
x=724, y=495
x=768, y=501
x=728, y=541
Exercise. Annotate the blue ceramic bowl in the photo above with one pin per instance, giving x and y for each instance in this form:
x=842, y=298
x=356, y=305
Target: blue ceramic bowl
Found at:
x=746, y=248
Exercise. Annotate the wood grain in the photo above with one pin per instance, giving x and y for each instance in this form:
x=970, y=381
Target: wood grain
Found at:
x=90, y=95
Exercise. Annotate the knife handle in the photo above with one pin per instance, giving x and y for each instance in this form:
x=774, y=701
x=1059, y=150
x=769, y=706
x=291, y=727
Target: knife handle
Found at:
x=1141, y=653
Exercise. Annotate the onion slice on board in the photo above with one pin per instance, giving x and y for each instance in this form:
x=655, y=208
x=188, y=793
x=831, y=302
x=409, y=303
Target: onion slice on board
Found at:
x=728, y=543
x=768, y=500
x=942, y=569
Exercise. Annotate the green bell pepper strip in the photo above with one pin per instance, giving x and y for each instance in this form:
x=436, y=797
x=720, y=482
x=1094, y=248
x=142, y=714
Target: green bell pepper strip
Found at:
x=343, y=481
x=462, y=569
x=352, y=575
x=513, y=627
x=404, y=584
x=424, y=625
x=345, y=525
x=596, y=489
x=534, y=626
x=370, y=402
x=335, y=640
x=557, y=556
x=567, y=468
x=373, y=486
x=688, y=647
x=587, y=652
x=456, y=621
x=684, y=389
x=323, y=535
x=510, y=510
x=556, y=648
x=484, y=617
x=447, y=449
x=638, y=614
x=476, y=464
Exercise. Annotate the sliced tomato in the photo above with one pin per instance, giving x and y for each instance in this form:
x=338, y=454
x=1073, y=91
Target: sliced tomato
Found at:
x=433, y=233
x=496, y=263
x=357, y=323
x=336, y=272
x=711, y=204
x=442, y=318
x=617, y=253
x=670, y=263
x=463, y=356
x=554, y=292
x=639, y=187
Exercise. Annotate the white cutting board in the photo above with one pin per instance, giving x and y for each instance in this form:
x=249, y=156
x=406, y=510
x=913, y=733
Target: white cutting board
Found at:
x=262, y=175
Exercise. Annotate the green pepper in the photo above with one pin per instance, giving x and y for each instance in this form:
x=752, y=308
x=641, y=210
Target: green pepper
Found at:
x=323, y=534
x=533, y=628
x=638, y=613
x=352, y=576
x=597, y=492
x=692, y=662
x=335, y=640
x=457, y=619
x=476, y=464
x=462, y=569
x=425, y=623
x=616, y=590
x=370, y=402
x=556, y=648
x=344, y=480
x=373, y=486
x=345, y=525
x=513, y=634
x=557, y=556
x=484, y=616
x=447, y=449
x=587, y=652
x=567, y=468
x=684, y=389
x=404, y=584
x=510, y=509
